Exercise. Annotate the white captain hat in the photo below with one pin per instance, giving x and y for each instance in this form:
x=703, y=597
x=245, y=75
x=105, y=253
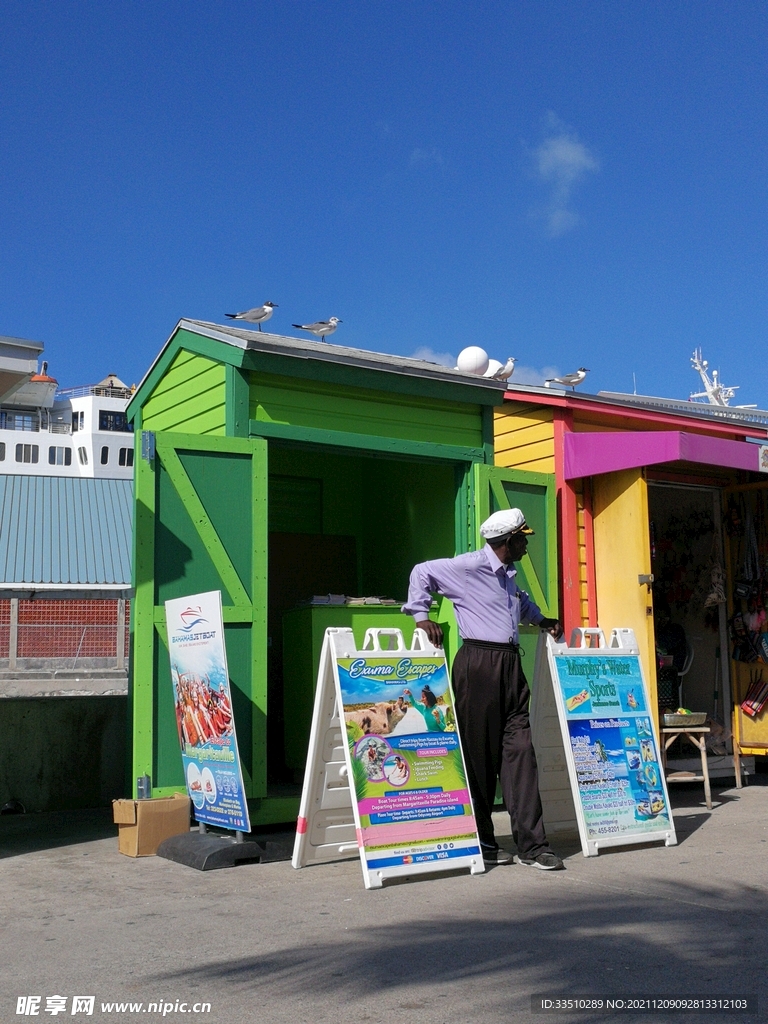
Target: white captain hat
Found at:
x=500, y=524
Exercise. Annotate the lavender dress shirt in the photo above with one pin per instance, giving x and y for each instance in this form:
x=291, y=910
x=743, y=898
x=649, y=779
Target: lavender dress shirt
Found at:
x=488, y=603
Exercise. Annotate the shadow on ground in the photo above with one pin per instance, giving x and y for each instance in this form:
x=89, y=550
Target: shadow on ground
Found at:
x=687, y=940
x=28, y=833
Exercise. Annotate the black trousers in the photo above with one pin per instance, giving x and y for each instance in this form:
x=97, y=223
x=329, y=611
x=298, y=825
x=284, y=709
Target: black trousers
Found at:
x=492, y=713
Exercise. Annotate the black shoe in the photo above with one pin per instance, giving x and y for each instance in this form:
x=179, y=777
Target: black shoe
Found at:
x=546, y=861
x=493, y=855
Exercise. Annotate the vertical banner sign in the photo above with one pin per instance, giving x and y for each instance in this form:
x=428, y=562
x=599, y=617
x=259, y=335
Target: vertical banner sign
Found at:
x=204, y=715
x=611, y=747
x=407, y=779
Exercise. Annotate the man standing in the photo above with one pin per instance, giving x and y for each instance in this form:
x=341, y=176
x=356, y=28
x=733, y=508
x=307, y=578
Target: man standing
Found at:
x=490, y=688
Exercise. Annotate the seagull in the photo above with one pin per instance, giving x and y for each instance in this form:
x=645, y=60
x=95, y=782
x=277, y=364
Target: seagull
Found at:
x=504, y=372
x=321, y=327
x=569, y=380
x=255, y=316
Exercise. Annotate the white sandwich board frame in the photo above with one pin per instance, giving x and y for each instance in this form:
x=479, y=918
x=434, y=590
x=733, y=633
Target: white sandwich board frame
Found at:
x=596, y=742
x=404, y=828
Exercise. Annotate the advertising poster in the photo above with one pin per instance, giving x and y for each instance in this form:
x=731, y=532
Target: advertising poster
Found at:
x=204, y=716
x=620, y=779
x=407, y=767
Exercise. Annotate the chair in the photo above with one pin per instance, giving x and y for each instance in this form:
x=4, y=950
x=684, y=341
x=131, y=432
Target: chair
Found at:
x=684, y=671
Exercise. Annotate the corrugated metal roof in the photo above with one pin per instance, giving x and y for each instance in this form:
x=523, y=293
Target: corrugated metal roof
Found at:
x=65, y=530
x=330, y=352
x=700, y=410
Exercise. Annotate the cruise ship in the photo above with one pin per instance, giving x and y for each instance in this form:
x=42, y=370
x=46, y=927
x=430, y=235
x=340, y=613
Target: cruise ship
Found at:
x=48, y=431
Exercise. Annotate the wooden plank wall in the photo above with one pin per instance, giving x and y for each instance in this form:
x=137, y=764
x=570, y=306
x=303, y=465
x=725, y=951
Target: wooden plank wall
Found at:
x=320, y=405
x=583, y=553
x=525, y=437
x=190, y=399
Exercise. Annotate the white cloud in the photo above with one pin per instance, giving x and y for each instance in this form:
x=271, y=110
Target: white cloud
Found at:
x=530, y=375
x=430, y=356
x=562, y=161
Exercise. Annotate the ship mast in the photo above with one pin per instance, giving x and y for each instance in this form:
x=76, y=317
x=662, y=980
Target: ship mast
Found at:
x=715, y=392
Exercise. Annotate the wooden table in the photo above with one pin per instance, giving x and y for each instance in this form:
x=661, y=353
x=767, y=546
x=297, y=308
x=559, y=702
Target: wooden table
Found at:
x=697, y=735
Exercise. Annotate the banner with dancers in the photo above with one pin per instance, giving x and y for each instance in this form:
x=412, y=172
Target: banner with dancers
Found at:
x=204, y=717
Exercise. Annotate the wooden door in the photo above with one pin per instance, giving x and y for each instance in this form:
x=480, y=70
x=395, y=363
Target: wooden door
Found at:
x=201, y=524
x=534, y=494
x=622, y=555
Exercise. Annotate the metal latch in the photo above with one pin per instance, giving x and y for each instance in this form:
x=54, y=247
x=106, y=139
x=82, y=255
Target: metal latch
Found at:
x=645, y=578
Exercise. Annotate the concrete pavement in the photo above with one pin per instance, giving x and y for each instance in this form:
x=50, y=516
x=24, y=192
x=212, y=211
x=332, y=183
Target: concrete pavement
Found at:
x=265, y=943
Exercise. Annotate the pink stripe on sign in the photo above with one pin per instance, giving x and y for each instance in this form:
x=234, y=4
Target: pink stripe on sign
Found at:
x=301, y=826
x=413, y=831
x=431, y=751
x=407, y=801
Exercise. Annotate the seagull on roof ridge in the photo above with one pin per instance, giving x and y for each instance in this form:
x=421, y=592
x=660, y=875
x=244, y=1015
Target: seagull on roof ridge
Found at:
x=568, y=380
x=255, y=316
x=321, y=328
x=504, y=372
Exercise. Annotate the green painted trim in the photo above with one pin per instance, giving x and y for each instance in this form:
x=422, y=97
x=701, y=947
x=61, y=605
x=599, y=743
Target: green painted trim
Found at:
x=238, y=395
x=377, y=380
x=366, y=442
x=204, y=443
x=462, y=509
x=181, y=338
x=202, y=523
x=368, y=377
x=532, y=579
x=259, y=571
x=142, y=680
x=488, y=434
x=489, y=479
x=521, y=476
x=498, y=492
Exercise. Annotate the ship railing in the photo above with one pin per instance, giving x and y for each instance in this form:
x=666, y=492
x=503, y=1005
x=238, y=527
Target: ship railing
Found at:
x=92, y=389
x=25, y=426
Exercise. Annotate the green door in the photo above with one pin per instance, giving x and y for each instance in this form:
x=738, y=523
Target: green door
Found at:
x=497, y=488
x=201, y=524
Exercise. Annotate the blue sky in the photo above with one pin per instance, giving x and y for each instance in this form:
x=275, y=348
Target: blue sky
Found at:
x=572, y=183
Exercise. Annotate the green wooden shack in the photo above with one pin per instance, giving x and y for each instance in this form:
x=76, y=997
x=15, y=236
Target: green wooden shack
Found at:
x=277, y=470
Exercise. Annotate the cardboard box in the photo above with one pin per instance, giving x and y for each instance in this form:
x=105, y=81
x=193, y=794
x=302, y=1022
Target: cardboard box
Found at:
x=143, y=824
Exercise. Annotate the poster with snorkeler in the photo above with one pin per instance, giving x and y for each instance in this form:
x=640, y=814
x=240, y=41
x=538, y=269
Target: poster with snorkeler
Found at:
x=203, y=704
x=408, y=792
x=611, y=747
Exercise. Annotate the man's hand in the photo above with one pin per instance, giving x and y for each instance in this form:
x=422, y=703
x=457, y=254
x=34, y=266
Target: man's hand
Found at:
x=552, y=626
x=433, y=631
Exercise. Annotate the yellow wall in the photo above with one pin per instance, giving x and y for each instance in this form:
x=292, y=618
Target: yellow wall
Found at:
x=622, y=552
x=524, y=437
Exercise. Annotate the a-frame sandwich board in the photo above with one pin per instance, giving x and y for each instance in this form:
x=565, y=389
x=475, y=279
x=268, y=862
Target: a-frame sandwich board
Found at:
x=385, y=776
x=596, y=742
